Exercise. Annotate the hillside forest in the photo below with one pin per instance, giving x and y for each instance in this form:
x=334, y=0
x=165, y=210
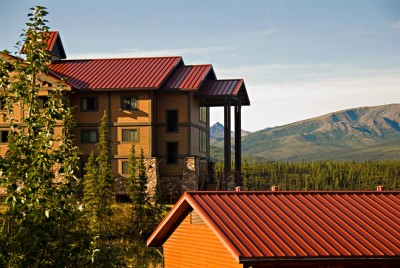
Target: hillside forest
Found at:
x=321, y=175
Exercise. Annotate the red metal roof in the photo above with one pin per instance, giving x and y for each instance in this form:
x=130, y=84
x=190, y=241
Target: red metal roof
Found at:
x=212, y=89
x=188, y=77
x=287, y=225
x=52, y=39
x=127, y=73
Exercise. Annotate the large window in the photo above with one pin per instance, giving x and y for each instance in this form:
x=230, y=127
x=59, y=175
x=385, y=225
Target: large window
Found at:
x=129, y=103
x=172, y=153
x=89, y=104
x=4, y=136
x=203, y=141
x=172, y=120
x=129, y=135
x=203, y=114
x=89, y=136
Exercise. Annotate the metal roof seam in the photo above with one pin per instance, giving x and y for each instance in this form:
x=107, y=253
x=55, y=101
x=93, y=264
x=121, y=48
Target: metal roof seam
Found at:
x=364, y=227
x=235, y=221
x=373, y=221
x=356, y=240
x=327, y=230
x=285, y=228
x=300, y=223
x=317, y=233
x=357, y=222
x=257, y=224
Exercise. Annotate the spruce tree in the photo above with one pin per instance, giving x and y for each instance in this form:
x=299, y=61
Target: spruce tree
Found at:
x=99, y=181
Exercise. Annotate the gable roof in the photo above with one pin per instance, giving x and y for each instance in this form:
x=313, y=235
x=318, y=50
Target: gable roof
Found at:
x=125, y=73
x=54, y=45
x=188, y=77
x=283, y=225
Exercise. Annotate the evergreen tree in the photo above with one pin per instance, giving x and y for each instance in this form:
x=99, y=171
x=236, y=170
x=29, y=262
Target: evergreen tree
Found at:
x=38, y=171
x=99, y=182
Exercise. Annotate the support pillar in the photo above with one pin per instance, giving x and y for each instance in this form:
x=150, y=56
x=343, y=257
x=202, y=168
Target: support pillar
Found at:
x=238, y=139
x=227, y=136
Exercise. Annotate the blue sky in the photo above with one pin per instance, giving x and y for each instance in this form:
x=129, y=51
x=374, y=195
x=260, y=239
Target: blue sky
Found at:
x=299, y=59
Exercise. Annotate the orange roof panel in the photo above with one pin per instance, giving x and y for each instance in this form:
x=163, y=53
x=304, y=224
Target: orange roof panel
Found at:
x=286, y=224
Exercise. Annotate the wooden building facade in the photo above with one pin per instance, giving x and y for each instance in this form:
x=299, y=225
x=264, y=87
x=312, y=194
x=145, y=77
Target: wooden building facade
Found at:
x=159, y=104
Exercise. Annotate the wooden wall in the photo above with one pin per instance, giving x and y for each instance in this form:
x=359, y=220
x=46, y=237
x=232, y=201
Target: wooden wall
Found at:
x=195, y=245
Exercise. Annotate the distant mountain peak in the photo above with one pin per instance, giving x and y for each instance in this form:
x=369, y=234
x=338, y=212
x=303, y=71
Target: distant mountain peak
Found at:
x=217, y=131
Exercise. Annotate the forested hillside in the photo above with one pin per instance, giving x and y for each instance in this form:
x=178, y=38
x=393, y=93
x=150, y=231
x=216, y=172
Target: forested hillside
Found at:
x=321, y=175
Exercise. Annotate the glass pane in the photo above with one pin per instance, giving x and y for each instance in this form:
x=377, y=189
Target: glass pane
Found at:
x=84, y=104
x=93, y=136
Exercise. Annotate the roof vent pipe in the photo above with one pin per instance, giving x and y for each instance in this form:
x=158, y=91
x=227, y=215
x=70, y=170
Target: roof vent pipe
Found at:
x=238, y=188
x=274, y=188
x=380, y=188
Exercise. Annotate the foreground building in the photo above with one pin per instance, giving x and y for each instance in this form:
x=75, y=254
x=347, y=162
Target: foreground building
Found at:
x=160, y=104
x=282, y=229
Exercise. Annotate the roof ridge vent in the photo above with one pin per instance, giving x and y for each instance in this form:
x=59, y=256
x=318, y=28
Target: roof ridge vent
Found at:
x=274, y=188
x=380, y=188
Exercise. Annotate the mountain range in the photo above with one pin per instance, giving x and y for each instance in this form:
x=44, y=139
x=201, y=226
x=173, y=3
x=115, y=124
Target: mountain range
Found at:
x=358, y=134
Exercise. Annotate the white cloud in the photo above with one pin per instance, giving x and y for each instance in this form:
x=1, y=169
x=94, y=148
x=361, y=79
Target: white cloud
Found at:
x=265, y=32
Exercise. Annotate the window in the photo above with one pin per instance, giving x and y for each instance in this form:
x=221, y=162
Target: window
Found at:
x=203, y=141
x=172, y=153
x=203, y=114
x=43, y=102
x=129, y=103
x=2, y=104
x=4, y=136
x=89, y=136
x=89, y=104
x=129, y=135
x=125, y=169
x=172, y=121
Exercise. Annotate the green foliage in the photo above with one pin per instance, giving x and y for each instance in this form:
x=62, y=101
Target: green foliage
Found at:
x=99, y=182
x=321, y=175
x=146, y=208
x=42, y=225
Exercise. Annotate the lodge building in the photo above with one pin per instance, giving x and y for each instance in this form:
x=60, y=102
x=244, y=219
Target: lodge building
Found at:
x=160, y=104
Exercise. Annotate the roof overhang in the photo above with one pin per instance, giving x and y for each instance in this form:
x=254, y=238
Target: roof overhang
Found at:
x=214, y=93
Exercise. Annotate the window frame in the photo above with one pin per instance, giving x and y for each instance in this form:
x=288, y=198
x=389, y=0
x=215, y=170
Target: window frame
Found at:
x=203, y=114
x=125, y=162
x=176, y=158
x=129, y=129
x=136, y=106
x=202, y=141
x=96, y=99
x=89, y=142
x=168, y=123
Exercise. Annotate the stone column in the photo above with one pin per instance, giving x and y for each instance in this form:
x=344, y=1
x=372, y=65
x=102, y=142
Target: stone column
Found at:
x=152, y=175
x=190, y=175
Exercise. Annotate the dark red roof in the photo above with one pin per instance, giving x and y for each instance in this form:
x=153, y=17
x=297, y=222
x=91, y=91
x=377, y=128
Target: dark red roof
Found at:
x=54, y=44
x=188, y=77
x=215, y=89
x=126, y=73
x=286, y=225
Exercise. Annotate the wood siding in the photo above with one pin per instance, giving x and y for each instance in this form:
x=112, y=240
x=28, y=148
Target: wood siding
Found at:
x=195, y=245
